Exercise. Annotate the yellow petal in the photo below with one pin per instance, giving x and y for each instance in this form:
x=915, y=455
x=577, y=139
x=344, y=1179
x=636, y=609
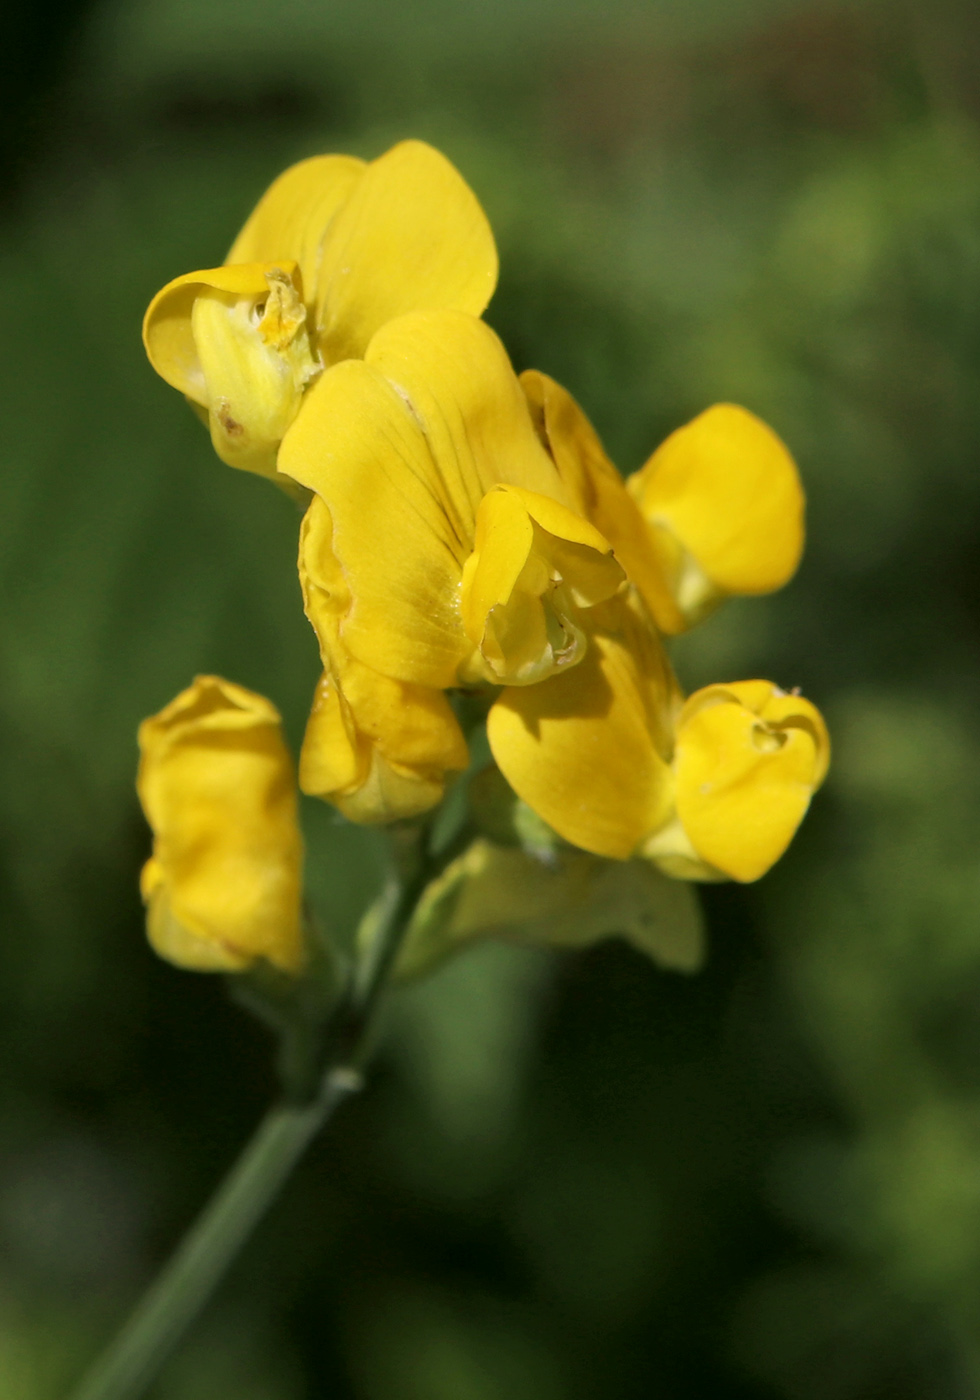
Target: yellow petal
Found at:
x=378, y=749
x=295, y=214
x=326, y=597
x=586, y=750
x=333, y=759
x=384, y=534
x=411, y=235
x=748, y=759
x=216, y=783
x=727, y=490
x=402, y=447
x=235, y=340
x=534, y=565
x=599, y=493
x=167, y=333
x=171, y=940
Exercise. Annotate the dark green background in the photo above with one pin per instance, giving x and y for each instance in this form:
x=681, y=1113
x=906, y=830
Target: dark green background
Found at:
x=572, y=1176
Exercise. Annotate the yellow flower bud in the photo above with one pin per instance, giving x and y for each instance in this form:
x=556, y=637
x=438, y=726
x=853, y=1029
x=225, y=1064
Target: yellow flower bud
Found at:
x=724, y=503
x=748, y=758
x=222, y=886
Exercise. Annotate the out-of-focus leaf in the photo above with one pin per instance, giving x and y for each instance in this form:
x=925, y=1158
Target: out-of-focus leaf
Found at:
x=566, y=898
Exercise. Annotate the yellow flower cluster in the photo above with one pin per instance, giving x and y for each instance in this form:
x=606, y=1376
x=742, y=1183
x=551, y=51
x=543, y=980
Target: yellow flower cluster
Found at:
x=465, y=531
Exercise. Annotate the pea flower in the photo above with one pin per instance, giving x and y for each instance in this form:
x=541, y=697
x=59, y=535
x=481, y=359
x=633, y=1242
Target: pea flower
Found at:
x=467, y=530
x=222, y=886
x=715, y=788
x=334, y=249
x=441, y=550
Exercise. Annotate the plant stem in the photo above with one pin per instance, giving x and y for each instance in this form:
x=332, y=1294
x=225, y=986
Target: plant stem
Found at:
x=187, y=1281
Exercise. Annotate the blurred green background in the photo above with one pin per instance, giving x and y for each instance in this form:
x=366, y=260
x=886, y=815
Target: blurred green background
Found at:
x=572, y=1176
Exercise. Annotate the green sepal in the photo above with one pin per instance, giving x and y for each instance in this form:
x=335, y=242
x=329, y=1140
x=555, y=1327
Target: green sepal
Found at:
x=298, y=1009
x=564, y=898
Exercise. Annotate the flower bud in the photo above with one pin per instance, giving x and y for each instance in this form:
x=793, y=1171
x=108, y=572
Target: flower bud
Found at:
x=223, y=884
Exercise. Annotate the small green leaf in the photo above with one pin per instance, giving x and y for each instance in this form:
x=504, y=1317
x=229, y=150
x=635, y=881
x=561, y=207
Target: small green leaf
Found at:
x=566, y=898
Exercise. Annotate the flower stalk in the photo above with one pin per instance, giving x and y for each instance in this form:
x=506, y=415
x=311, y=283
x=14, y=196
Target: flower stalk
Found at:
x=187, y=1281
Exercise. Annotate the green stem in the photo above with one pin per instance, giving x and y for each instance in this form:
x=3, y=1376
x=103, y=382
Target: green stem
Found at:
x=189, y=1279
x=180, y=1292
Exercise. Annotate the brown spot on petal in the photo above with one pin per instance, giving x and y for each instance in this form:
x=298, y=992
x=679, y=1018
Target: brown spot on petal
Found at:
x=231, y=425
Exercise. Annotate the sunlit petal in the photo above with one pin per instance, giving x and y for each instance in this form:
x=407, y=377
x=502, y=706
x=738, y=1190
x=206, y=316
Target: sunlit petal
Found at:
x=404, y=445
x=586, y=750
x=727, y=490
x=411, y=235
x=294, y=216
x=748, y=759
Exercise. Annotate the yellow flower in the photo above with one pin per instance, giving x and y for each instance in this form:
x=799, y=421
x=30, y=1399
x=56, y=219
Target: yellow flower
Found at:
x=464, y=533
x=377, y=748
x=216, y=783
x=716, y=510
x=440, y=550
x=747, y=759
x=609, y=757
x=719, y=798
x=334, y=249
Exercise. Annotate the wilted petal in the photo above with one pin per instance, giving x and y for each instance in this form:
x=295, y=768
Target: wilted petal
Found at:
x=570, y=902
